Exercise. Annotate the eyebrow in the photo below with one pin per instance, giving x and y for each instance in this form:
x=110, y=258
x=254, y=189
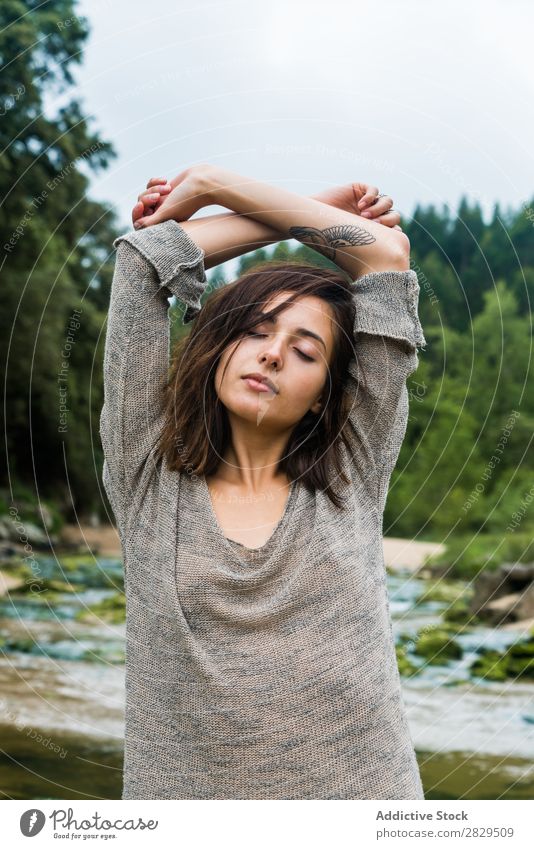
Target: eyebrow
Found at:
x=299, y=331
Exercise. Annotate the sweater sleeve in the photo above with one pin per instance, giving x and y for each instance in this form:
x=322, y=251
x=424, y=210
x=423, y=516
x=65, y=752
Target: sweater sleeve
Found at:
x=387, y=333
x=151, y=265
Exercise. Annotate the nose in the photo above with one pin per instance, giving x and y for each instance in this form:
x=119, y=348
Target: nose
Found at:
x=272, y=355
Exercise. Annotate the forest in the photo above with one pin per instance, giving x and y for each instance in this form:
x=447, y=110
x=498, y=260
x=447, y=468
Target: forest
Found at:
x=466, y=466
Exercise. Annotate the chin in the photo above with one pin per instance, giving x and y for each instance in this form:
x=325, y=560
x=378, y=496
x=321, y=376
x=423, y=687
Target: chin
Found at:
x=250, y=406
x=244, y=407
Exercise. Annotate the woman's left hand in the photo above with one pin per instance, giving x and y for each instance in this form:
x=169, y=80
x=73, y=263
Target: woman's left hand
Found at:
x=362, y=199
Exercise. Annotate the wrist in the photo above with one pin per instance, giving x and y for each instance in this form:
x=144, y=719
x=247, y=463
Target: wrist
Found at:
x=208, y=184
x=225, y=188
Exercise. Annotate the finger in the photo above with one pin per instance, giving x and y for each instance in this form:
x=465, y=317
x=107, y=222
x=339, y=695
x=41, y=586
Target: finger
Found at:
x=381, y=206
x=390, y=219
x=137, y=211
x=371, y=193
x=154, y=181
x=162, y=188
x=147, y=220
x=149, y=197
x=156, y=194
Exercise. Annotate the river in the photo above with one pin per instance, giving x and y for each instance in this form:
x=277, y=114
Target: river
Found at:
x=62, y=694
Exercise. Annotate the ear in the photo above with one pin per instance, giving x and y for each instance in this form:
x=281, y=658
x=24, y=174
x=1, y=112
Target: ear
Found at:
x=316, y=406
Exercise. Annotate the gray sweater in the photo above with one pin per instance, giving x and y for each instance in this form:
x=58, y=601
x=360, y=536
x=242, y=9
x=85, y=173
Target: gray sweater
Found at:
x=266, y=673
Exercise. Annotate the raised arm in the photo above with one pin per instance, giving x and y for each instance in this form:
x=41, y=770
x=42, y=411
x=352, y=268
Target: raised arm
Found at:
x=357, y=245
x=150, y=265
x=387, y=331
x=331, y=222
x=387, y=334
x=186, y=194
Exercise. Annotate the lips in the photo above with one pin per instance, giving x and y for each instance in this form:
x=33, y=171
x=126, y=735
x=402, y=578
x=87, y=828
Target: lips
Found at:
x=256, y=377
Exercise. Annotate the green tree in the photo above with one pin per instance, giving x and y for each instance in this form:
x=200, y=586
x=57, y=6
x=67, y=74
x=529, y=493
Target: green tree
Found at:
x=57, y=254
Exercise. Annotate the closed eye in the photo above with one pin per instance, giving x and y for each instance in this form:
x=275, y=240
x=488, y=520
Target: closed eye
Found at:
x=263, y=335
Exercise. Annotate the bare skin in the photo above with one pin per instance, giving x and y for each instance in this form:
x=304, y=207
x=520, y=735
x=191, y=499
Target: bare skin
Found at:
x=261, y=422
x=248, y=497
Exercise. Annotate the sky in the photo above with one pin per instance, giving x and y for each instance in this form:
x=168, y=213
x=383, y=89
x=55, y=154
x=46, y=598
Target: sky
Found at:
x=428, y=101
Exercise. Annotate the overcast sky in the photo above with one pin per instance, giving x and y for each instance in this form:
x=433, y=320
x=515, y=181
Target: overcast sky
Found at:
x=426, y=100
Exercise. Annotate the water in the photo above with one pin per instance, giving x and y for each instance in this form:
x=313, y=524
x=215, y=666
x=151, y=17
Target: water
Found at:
x=93, y=770
x=76, y=768
x=62, y=697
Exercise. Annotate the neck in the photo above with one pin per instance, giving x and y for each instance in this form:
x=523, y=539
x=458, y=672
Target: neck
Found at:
x=251, y=459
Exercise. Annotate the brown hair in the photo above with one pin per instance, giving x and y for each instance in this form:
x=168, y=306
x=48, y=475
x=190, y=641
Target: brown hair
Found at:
x=229, y=313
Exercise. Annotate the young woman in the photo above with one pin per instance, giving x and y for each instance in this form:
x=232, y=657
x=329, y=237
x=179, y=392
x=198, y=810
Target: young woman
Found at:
x=248, y=483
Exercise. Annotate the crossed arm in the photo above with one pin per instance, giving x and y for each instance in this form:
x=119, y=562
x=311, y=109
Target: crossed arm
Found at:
x=260, y=214
x=155, y=261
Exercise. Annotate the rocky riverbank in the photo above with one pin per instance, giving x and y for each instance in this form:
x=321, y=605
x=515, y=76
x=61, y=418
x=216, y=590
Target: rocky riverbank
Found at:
x=467, y=674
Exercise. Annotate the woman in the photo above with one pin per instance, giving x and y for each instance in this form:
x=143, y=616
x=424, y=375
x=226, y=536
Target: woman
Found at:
x=260, y=659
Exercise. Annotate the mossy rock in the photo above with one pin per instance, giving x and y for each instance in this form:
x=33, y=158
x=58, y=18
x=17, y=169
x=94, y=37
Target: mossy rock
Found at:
x=516, y=662
x=406, y=667
x=491, y=665
x=73, y=562
x=404, y=637
x=116, y=657
x=13, y=565
x=111, y=609
x=45, y=585
x=458, y=613
x=437, y=646
x=23, y=644
x=520, y=657
x=442, y=590
x=18, y=568
x=523, y=649
x=521, y=667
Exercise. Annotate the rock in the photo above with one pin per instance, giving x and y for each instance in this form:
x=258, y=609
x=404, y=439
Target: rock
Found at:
x=8, y=550
x=443, y=590
x=501, y=610
x=490, y=665
x=405, y=665
x=525, y=625
x=459, y=613
x=437, y=646
x=22, y=532
x=525, y=608
x=45, y=514
x=505, y=594
x=9, y=583
x=523, y=648
x=509, y=608
x=111, y=609
x=516, y=662
x=521, y=572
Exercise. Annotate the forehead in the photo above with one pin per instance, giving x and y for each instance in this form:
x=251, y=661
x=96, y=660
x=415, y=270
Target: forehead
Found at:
x=308, y=311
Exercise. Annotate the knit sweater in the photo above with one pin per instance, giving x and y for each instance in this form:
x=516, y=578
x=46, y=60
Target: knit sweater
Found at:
x=263, y=673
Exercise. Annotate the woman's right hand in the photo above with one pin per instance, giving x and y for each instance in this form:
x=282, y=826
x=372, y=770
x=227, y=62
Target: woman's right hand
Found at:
x=178, y=199
x=151, y=199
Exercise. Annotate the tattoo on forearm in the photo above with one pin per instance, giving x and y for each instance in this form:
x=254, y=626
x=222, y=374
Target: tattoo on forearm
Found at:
x=326, y=241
